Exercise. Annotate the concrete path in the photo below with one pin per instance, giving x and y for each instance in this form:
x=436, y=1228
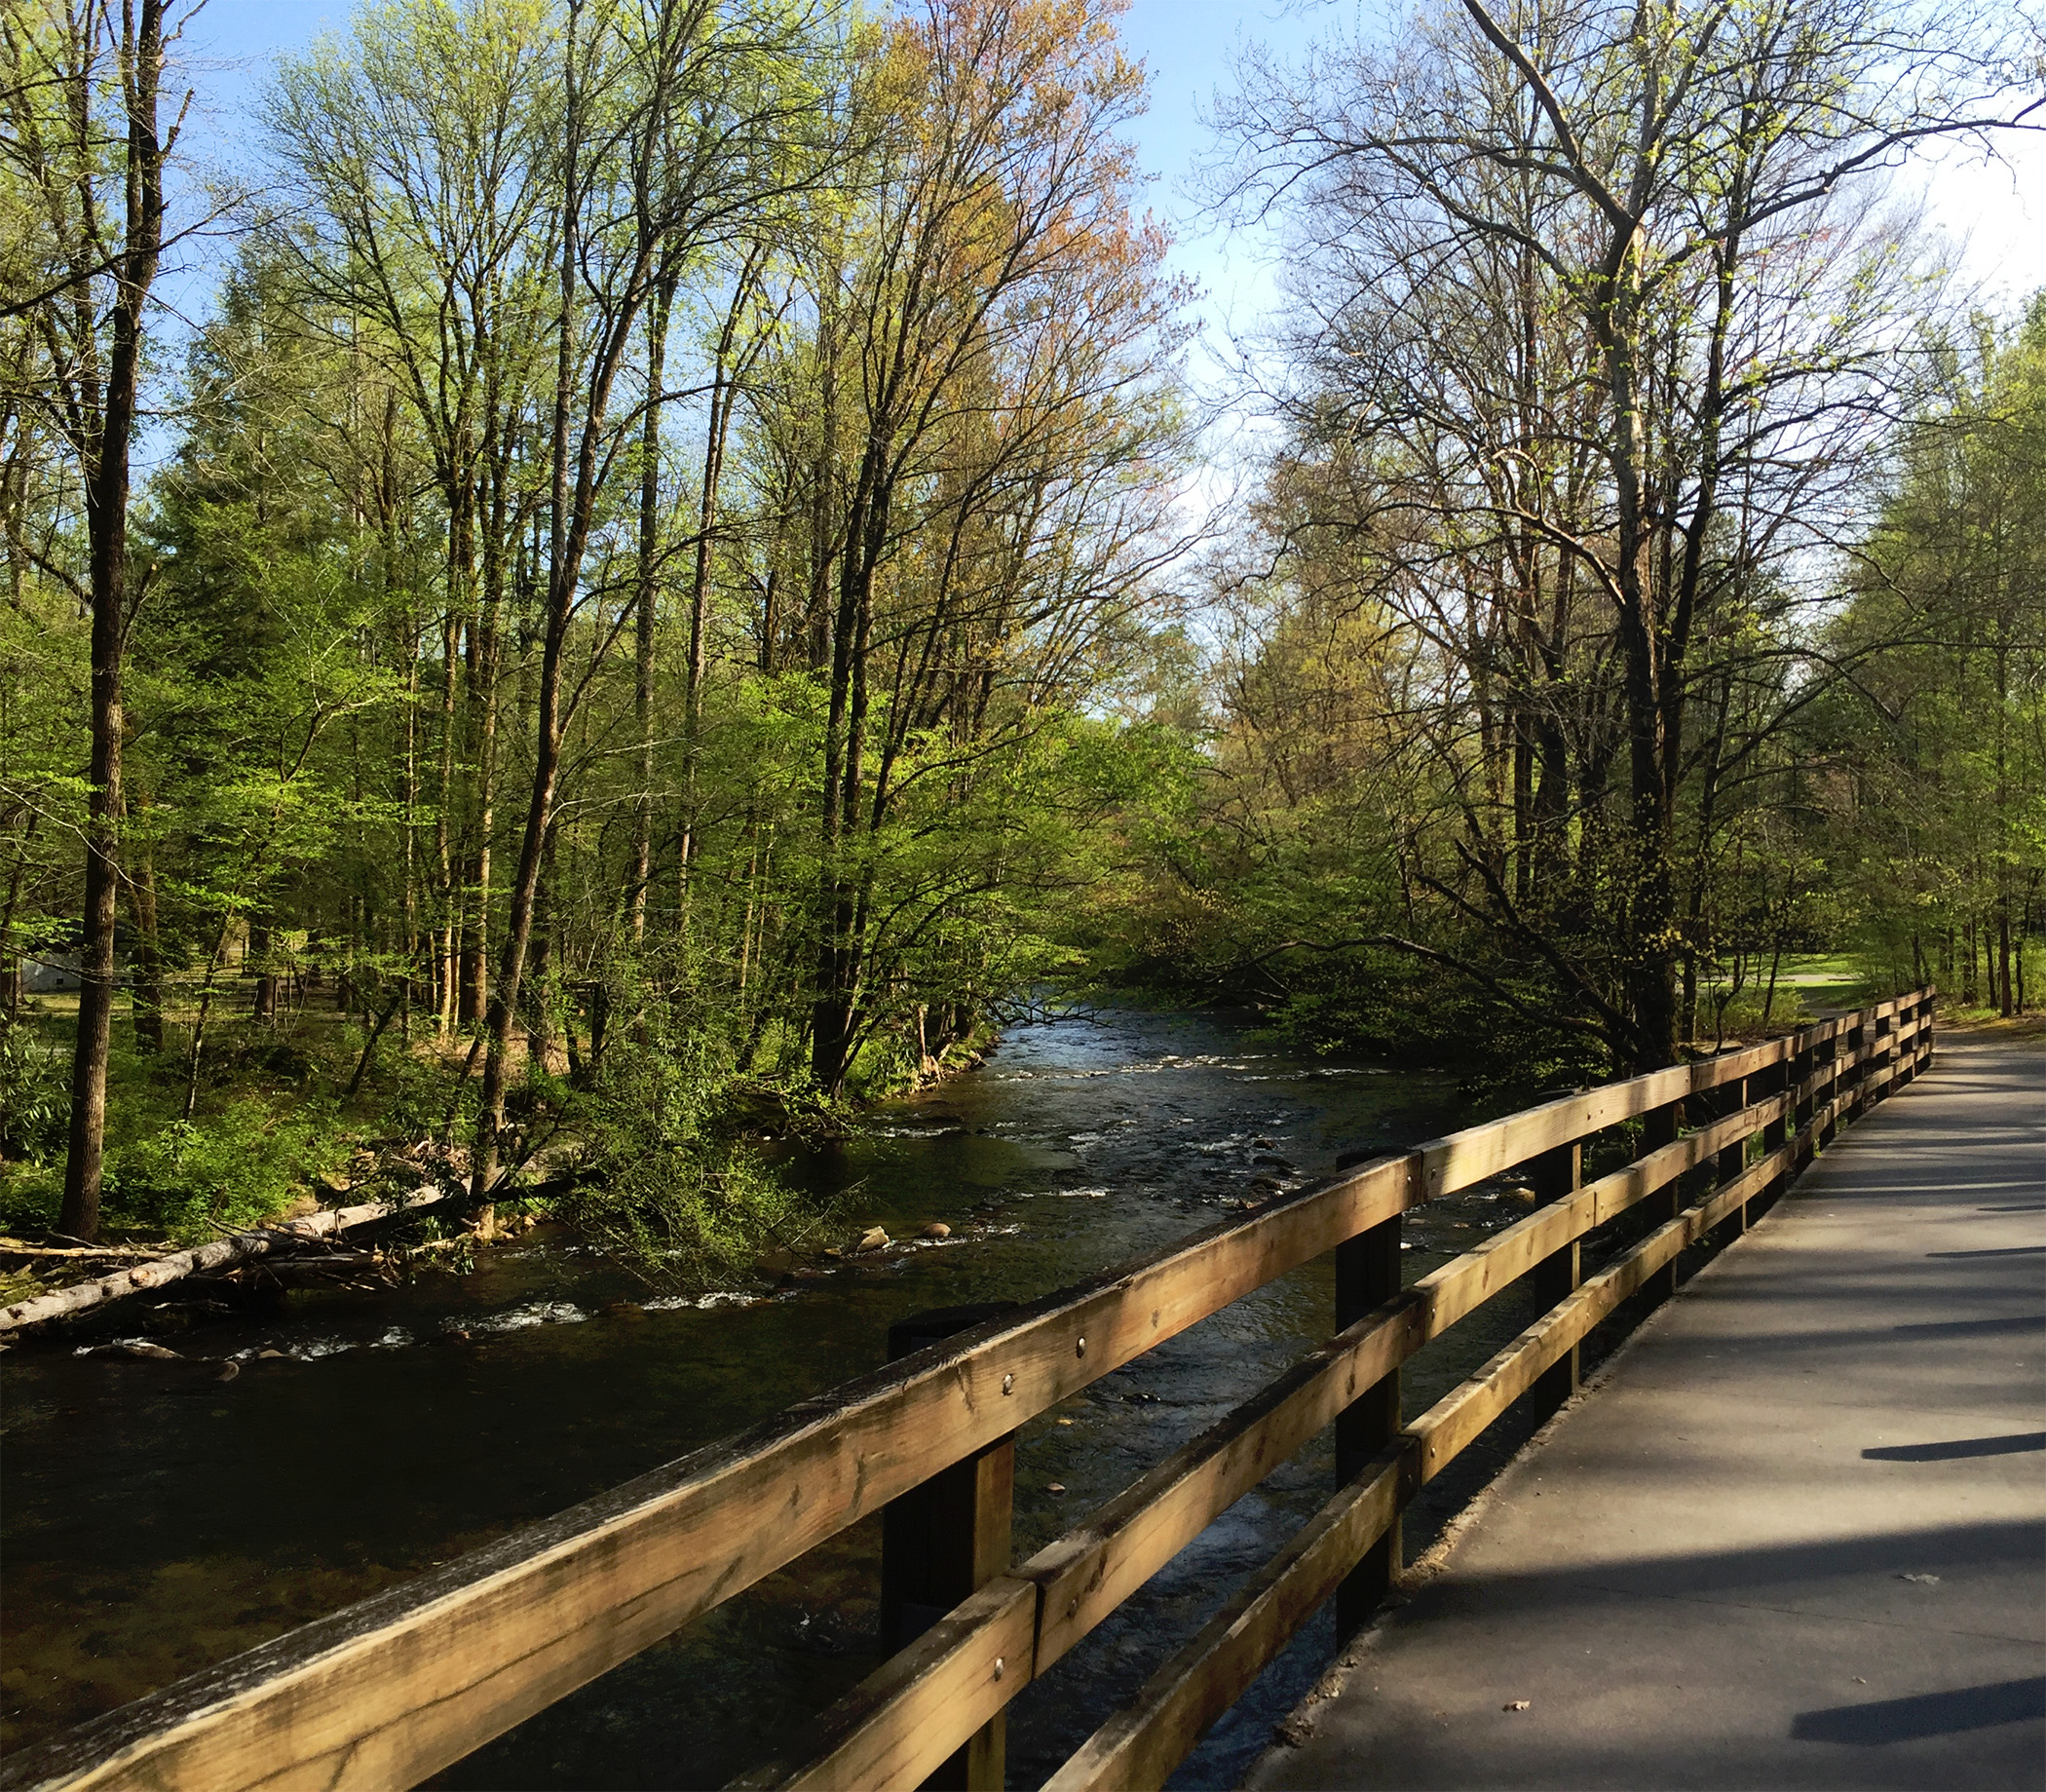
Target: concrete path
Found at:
x=1798, y=1536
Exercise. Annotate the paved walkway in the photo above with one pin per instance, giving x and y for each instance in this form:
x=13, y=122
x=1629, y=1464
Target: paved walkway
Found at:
x=1797, y=1539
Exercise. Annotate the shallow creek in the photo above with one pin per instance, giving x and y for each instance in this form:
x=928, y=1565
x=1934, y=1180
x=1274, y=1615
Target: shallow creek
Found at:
x=154, y=1519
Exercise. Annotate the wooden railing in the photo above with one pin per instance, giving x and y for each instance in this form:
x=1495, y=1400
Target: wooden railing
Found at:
x=389, y=1691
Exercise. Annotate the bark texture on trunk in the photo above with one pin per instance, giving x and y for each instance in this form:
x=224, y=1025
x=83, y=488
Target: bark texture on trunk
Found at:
x=105, y=454
x=146, y=970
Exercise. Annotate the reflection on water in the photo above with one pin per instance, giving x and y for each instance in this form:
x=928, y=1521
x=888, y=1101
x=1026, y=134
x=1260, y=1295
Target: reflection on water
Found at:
x=157, y=1519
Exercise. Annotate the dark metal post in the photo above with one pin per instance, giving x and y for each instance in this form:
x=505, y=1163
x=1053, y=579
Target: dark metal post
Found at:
x=1366, y=1275
x=943, y=1541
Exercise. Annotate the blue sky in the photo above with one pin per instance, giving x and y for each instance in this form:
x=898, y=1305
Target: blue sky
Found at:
x=1189, y=47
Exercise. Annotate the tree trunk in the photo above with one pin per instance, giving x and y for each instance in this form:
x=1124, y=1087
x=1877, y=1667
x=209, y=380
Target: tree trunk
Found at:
x=2024, y=934
x=10, y=953
x=722, y=393
x=642, y=869
x=106, y=486
x=445, y=935
x=146, y=998
x=264, y=1007
x=572, y=510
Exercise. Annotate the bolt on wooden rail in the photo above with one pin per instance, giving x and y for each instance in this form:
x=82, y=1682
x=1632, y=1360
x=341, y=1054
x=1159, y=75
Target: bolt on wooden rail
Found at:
x=389, y=1691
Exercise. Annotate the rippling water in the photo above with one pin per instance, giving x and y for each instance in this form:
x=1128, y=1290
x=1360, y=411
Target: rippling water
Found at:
x=157, y=1519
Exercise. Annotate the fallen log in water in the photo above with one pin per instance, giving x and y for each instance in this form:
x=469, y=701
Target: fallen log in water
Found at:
x=236, y=1247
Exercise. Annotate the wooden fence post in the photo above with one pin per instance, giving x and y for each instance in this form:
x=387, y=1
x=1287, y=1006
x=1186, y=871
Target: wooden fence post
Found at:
x=1366, y=1275
x=1918, y=1059
x=1557, y=1175
x=1660, y=1128
x=1831, y=1051
x=1804, y=1066
x=1776, y=1080
x=1733, y=1158
x=944, y=1540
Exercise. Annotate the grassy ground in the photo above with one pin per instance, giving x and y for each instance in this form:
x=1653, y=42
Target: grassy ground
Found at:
x=1811, y=986
x=269, y=1120
x=1807, y=987
x=1989, y=1022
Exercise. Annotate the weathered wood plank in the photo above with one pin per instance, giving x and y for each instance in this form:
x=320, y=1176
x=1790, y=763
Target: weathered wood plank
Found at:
x=1083, y=1576
x=1091, y=1569
x=400, y=1685
x=1471, y=1156
x=1138, y=1747
x=1087, y=1574
x=1368, y=1273
x=1456, y=1288
x=1455, y=1421
x=1142, y=1745
x=942, y=1542
x=1556, y=1177
x=1460, y=1159
x=905, y=1720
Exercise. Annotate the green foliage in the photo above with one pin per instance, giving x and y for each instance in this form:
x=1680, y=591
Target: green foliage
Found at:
x=189, y=1181
x=227, y=1170
x=427, y=1099
x=878, y=701
x=664, y=1176
x=35, y=1096
x=1938, y=849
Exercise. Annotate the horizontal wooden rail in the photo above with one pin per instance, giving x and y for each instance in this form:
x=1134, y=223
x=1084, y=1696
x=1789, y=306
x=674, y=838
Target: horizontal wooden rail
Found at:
x=1085, y=1574
x=395, y=1687
x=1140, y=1746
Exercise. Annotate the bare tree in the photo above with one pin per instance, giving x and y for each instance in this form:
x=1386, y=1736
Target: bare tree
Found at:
x=983, y=380
x=1667, y=318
